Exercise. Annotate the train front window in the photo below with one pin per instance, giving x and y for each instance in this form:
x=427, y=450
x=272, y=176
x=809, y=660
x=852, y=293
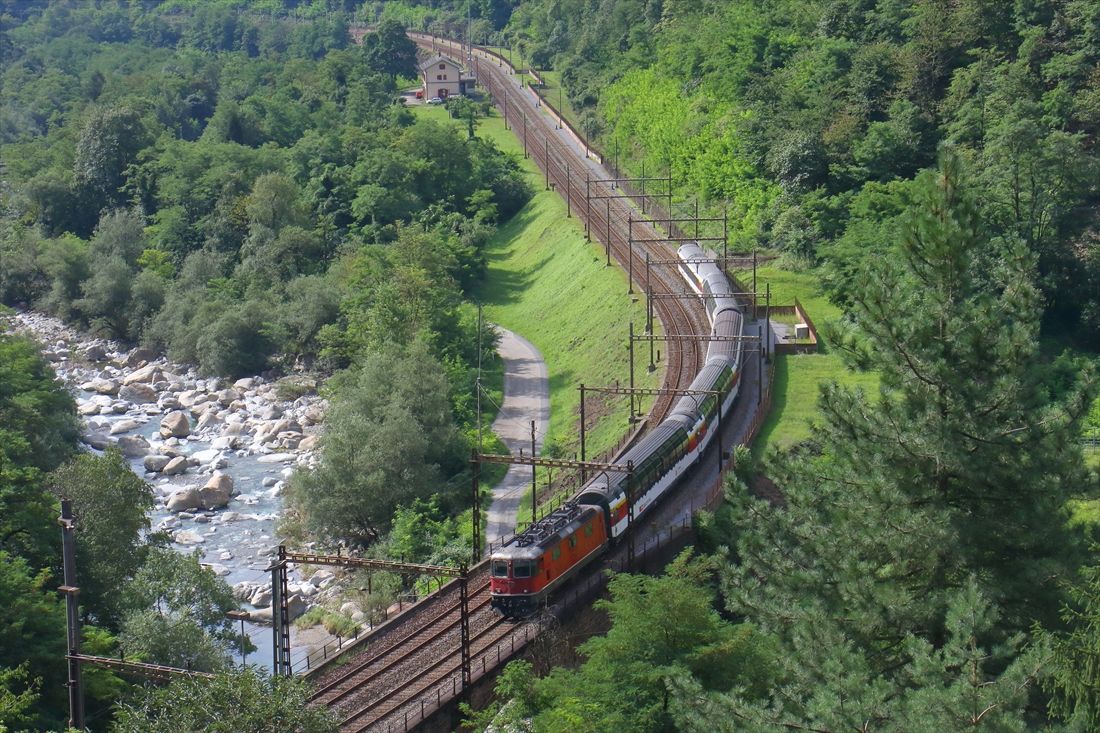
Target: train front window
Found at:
x=500, y=568
x=522, y=569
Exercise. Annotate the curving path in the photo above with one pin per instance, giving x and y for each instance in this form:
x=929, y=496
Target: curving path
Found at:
x=526, y=398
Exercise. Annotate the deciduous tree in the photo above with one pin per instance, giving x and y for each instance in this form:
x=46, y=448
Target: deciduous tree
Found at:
x=176, y=613
x=110, y=503
x=389, y=440
x=234, y=702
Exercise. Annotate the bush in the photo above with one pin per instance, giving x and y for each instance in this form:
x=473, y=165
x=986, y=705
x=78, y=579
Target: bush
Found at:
x=336, y=624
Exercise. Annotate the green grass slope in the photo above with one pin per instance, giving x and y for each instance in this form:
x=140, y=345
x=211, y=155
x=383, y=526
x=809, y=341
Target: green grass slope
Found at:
x=549, y=285
x=798, y=377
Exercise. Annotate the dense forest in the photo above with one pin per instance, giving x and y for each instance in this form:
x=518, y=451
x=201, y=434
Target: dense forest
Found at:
x=237, y=185
x=234, y=183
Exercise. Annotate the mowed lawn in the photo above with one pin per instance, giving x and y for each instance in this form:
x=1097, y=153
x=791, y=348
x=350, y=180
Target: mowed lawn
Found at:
x=798, y=377
x=549, y=285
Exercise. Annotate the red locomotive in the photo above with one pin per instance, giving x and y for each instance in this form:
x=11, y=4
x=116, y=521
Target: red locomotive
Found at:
x=545, y=555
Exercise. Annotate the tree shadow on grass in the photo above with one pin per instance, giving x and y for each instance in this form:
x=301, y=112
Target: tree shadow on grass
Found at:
x=779, y=404
x=503, y=286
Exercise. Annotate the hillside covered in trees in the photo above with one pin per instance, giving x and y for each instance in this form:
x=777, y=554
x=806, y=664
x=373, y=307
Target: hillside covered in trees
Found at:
x=232, y=182
x=809, y=120
x=931, y=564
x=238, y=185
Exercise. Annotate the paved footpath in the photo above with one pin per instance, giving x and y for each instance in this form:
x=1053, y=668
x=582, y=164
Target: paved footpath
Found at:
x=526, y=398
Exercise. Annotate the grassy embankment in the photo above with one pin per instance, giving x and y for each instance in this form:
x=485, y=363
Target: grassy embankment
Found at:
x=549, y=285
x=798, y=377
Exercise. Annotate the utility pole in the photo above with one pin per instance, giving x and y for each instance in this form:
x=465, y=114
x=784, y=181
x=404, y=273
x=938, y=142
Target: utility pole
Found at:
x=607, y=232
x=768, y=322
x=759, y=360
x=754, y=283
x=534, y=476
x=630, y=256
x=587, y=206
x=280, y=614
x=72, y=616
x=630, y=512
x=568, y=192
x=649, y=319
x=477, y=383
x=631, y=358
x=584, y=476
x=670, y=191
x=475, y=481
x=648, y=302
x=725, y=234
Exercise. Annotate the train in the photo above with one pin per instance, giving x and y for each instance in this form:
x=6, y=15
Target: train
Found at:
x=532, y=565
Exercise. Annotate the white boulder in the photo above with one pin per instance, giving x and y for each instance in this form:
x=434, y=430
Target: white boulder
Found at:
x=184, y=500
x=216, y=492
x=206, y=456
x=125, y=426
x=225, y=442
x=133, y=446
x=175, y=425
x=187, y=537
x=139, y=356
x=149, y=374
x=99, y=441
x=276, y=458
x=155, y=463
x=175, y=466
x=138, y=393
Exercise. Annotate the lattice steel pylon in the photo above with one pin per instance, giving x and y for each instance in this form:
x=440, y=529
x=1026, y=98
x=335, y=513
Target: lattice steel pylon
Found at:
x=280, y=614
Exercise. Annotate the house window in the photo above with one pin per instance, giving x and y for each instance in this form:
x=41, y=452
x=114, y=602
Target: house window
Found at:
x=439, y=77
x=444, y=77
x=443, y=66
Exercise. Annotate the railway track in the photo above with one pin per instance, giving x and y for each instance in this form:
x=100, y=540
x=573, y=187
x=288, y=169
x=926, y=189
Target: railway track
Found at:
x=410, y=671
x=416, y=667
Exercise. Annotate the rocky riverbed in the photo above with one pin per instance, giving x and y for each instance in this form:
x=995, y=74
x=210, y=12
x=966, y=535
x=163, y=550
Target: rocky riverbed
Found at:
x=217, y=453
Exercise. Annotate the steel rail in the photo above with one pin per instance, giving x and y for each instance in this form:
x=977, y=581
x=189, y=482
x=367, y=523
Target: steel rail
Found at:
x=329, y=694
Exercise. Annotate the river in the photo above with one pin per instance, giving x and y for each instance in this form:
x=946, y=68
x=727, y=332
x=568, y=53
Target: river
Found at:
x=241, y=442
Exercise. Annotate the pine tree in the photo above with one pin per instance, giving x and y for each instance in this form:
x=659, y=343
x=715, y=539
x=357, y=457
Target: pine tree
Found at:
x=1073, y=676
x=955, y=474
